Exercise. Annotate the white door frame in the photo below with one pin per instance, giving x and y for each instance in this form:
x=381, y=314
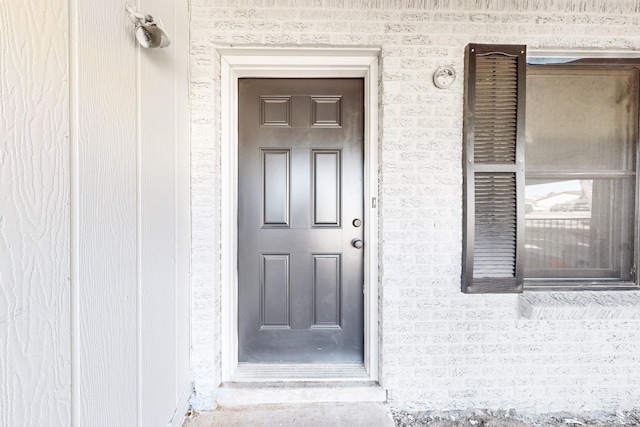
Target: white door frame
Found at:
x=239, y=62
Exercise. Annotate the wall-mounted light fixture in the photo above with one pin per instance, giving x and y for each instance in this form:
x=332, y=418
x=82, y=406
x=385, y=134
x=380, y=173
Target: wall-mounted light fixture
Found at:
x=149, y=33
x=444, y=76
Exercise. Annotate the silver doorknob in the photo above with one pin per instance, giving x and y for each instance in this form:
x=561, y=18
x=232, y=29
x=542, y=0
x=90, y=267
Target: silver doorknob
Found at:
x=357, y=243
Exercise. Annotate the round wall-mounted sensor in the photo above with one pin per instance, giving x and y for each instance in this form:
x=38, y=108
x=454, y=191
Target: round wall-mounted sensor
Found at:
x=444, y=76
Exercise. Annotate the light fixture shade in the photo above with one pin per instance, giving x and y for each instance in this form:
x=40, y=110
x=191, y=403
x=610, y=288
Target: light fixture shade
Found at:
x=150, y=35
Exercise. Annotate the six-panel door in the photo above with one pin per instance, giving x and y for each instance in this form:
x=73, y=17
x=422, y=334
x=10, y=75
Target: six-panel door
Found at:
x=300, y=220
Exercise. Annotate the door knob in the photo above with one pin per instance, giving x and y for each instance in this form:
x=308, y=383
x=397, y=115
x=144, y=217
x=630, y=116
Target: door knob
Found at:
x=357, y=243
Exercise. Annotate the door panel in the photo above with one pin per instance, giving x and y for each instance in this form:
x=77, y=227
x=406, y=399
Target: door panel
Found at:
x=327, y=282
x=300, y=186
x=326, y=188
x=275, y=188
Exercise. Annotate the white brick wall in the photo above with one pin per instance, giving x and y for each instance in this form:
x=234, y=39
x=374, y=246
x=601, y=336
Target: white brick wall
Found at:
x=439, y=348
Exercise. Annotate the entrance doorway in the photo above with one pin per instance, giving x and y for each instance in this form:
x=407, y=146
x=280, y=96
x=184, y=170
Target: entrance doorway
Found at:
x=238, y=63
x=300, y=220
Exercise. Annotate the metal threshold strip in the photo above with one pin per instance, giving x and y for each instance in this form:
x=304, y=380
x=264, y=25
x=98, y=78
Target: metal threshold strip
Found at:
x=270, y=372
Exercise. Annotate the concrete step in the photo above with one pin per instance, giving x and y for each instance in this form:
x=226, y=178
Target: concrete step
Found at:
x=273, y=393
x=368, y=414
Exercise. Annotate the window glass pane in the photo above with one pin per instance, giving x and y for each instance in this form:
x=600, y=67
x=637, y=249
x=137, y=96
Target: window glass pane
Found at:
x=580, y=119
x=579, y=228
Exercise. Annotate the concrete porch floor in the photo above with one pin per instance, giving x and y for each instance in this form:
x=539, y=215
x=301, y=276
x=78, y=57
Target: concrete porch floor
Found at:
x=371, y=414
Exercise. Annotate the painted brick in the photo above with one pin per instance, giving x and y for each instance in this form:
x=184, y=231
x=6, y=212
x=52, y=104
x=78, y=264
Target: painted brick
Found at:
x=440, y=348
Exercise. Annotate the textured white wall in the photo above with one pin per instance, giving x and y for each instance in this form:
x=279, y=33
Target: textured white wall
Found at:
x=131, y=243
x=106, y=257
x=35, y=349
x=94, y=218
x=439, y=348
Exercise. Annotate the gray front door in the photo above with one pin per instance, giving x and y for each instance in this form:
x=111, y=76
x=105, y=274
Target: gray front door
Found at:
x=300, y=220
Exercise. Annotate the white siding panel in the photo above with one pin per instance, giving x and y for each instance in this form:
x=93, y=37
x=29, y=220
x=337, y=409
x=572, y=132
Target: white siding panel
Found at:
x=158, y=237
x=94, y=251
x=35, y=374
x=164, y=216
x=132, y=219
x=158, y=230
x=107, y=253
x=182, y=145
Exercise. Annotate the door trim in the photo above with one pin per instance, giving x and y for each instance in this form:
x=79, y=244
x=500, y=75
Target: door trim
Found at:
x=239, y=62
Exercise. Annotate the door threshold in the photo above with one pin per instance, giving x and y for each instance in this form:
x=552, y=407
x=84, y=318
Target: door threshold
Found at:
x=299, y=372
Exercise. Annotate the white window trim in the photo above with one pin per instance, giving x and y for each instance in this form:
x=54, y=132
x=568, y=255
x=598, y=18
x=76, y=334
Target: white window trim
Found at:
x=239, y=62
x=561, y=52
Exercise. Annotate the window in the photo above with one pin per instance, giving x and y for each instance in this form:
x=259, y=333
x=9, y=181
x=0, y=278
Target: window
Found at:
x=550, y=183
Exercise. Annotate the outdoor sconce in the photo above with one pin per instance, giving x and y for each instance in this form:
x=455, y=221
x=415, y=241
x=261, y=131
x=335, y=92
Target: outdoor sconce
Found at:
x=444, y=76
x=149, y=33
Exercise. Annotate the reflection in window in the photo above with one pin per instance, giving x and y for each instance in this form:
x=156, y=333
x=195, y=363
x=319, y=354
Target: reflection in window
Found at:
x=580, y=173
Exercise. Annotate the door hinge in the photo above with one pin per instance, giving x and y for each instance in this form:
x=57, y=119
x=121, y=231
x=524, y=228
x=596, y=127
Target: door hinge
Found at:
x=633, y=273
x=374, y=203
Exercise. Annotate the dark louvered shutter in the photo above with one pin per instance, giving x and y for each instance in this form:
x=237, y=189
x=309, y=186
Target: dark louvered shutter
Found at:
x=493, y=168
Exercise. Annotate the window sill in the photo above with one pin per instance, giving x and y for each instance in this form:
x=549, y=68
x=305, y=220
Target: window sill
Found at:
x=617, y=305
